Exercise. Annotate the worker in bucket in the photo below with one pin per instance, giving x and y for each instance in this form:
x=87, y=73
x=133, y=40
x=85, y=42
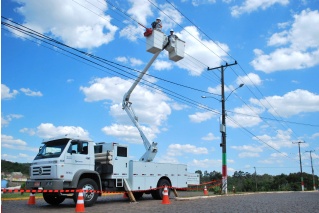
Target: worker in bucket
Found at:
x=157, y=24
x=171, y=38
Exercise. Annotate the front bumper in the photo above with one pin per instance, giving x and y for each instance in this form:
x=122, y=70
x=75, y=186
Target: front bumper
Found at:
x=44, y=184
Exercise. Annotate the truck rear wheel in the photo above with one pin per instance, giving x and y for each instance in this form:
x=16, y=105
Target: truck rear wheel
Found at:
x=53, y=199
x=158, y=193
x=90, y=194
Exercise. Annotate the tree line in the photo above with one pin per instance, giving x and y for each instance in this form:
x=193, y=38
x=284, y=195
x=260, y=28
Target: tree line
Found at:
x=247, y=182
x=8, y=167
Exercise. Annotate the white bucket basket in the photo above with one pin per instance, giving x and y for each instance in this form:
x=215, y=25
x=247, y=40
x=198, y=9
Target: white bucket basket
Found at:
x=154, y=42
x=176, y=50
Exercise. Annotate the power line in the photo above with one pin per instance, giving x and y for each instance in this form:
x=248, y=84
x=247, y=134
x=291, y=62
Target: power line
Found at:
x=45, y=39
x=231, y=67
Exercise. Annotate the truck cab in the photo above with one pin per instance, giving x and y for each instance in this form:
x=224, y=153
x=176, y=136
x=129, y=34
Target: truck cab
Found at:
x=64, y=164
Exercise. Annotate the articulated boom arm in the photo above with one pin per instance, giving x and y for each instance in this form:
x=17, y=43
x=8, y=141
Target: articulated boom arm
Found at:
x=151, y=148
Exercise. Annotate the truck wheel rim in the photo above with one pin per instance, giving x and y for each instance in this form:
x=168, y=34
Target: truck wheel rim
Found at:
x=87, y=194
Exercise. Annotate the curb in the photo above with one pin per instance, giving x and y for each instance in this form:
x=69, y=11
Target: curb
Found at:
x=229, y=195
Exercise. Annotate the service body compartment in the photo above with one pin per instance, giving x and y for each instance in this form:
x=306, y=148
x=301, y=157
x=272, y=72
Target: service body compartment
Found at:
x=145, y=175
x=113, y=159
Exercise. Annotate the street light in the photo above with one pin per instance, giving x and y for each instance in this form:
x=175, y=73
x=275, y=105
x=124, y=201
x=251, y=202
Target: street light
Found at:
x=240, y=85
x=223, y=125
x=203, y=96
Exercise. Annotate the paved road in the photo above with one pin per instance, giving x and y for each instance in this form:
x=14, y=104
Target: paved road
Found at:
x=298, y=202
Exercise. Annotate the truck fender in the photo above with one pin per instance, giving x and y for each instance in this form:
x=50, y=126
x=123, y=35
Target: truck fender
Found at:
x=85, y=173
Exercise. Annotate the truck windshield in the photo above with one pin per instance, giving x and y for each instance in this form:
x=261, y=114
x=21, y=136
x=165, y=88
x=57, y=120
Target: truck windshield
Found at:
x=52, y=149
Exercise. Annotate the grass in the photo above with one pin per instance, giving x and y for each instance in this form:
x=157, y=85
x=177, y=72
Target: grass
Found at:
x=17, y=195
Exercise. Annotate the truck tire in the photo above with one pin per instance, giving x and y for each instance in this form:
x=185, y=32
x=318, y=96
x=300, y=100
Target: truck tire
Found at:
x=53, y=199
x=89, y=197
x=158, y=193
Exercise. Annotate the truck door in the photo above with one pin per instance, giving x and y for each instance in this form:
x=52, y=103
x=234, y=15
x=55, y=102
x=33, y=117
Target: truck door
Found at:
x=120, y=162
x=78, y=156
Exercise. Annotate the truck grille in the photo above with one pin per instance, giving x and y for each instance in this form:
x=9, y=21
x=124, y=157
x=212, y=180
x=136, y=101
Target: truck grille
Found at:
x=41, y=170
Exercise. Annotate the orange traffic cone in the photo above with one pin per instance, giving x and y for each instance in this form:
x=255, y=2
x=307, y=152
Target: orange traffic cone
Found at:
x=80, y=202
x=165, y=196
x=31, y=199
x=205, y=191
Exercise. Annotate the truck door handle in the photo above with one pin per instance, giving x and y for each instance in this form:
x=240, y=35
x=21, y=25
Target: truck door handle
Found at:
x=88, y=158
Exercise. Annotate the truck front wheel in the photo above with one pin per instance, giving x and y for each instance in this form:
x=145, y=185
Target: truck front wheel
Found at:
x=53, y=198
x=158, y=193
x=90, y=194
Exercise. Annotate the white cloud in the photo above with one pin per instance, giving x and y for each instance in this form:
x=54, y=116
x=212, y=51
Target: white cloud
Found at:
x=248, y=151
x=174, y=18
x=167, y=159
x=279, y=155
x=202, y=2
x=162, y=65
x=275, y=158
x=210, y=137
x=106, y=89
x=316, y=135
x=248, y=148
x=207, y=163
x=217, y=89
x=6, y=139
x=7, y=119
x=250, y=79
x=135, y=62
x=249, y=6
x=248, y=155
x=89, y=30
x=18, y=157
x=48, y=131
x=10, y=142
x=241, y=116
x=280, y=140
x=130, y=133
x=199, y=117
x=200, y=49
x=6, y=94
x=297, y=47
x=151, y=107
x=29, y=92
x=132, y=32
x=180, y=149
x=122, y=59
x=140, y=10
x=29, y=131
x=292, y=103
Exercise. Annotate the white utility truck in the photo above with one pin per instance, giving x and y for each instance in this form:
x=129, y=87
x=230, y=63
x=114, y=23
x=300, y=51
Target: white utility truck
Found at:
x=66, y=164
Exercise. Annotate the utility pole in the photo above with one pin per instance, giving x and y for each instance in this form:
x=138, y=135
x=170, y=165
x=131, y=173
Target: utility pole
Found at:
x=313, y=175
x=223, y=127
x=255, y=178
x=301, y=178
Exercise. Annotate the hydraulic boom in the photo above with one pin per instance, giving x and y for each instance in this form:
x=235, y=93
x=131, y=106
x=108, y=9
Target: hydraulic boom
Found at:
x=151, y=148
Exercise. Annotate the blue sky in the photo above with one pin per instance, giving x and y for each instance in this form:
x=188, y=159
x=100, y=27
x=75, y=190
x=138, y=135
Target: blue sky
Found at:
x=48, y=93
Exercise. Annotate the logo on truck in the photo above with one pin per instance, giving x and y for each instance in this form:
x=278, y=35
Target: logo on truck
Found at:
x=40, y=171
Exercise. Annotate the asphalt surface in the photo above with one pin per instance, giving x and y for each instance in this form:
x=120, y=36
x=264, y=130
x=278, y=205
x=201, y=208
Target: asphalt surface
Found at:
x=254, y=202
